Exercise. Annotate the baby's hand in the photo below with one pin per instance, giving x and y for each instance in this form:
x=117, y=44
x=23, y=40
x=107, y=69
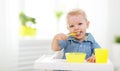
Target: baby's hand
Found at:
x=91, y=59
x=61, y=36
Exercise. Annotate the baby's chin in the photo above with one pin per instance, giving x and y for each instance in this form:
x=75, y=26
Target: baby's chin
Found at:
x=79, y=37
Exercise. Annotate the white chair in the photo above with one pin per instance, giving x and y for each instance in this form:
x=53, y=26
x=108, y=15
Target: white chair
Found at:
x=58, y=54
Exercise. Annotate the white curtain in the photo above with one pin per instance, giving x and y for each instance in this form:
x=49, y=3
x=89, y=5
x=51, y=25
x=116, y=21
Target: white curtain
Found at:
x=8, y=35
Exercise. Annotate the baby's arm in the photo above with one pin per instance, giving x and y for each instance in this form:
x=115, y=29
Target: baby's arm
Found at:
x=55, y=44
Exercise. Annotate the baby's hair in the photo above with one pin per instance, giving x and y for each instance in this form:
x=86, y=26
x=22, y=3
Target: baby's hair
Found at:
x=77, y=12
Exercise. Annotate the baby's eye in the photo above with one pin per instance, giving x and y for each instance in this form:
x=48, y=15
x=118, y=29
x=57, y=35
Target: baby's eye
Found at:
x=80, y=23
x=71, y=26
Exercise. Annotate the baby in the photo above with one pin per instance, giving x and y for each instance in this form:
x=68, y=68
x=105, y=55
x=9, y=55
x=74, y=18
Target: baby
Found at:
x=78, y=40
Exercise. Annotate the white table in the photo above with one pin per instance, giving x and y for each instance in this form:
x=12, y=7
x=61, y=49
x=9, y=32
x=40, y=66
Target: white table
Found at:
x=46, y=62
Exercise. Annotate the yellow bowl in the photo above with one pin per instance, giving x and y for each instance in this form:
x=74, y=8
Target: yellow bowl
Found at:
x=75, y=57
x=101, y=55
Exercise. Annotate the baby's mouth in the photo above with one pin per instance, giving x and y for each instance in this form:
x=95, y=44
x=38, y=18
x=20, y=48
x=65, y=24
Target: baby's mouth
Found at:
x=79, y=33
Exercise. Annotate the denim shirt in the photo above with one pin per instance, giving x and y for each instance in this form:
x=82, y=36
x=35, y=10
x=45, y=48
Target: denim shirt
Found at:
x=73, y=45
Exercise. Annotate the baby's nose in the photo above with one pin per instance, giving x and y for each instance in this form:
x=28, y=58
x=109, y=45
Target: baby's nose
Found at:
x=76, y=27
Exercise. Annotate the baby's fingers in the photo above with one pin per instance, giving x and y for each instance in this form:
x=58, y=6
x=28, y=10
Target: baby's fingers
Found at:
x=64, y=37
x=91, y=59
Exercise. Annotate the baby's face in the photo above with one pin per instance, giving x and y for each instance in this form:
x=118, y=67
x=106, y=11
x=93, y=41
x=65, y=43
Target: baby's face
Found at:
x=78, y=24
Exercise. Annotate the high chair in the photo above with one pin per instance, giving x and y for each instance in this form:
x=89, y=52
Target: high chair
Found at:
x=55, y=62
x=58, y=54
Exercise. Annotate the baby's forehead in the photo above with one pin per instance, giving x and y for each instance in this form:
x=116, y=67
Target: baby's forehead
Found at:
x=73, y=17
x=76, y=17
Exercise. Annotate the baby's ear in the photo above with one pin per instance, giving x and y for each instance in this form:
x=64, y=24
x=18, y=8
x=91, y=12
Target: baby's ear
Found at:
x=67, y=27
x=88, y=24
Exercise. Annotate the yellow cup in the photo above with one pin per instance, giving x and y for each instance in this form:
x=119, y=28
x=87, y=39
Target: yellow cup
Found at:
x=75, y=57
x=101, y=55
x=27, y=31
